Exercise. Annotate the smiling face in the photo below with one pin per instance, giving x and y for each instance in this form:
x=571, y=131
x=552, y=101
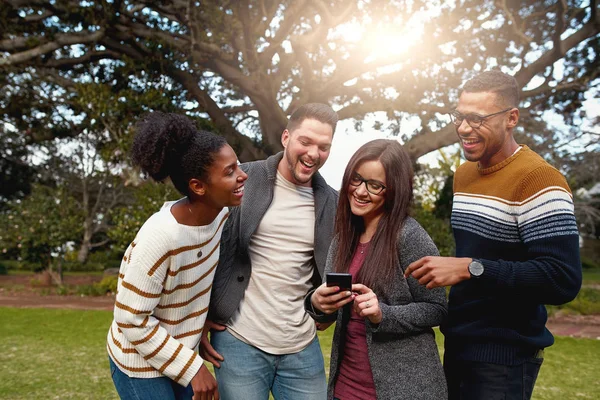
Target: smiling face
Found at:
x=306, y=150
x=225, y=186
x=362, y=202
x=493, y=141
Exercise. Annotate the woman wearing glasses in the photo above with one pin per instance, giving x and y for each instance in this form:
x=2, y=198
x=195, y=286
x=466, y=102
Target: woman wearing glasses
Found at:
x=383, y=345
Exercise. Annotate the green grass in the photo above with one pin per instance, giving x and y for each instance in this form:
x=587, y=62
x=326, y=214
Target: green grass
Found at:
x=54, y=354
x=60, y=354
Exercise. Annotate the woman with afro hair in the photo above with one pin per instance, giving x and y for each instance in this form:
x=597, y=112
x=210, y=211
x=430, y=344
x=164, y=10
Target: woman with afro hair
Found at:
x=167, y=271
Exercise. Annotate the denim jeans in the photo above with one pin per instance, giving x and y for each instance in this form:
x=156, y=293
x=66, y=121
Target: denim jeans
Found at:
x=470, y=380
x=249, y=373
x=161, y=388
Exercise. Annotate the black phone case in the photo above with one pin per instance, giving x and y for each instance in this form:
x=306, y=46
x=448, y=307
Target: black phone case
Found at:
x=341, y=279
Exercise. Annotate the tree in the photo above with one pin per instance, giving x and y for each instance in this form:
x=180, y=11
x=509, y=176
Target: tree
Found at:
x=92, y=184
x=39, y=227
x=16, y=173
x=246, y=65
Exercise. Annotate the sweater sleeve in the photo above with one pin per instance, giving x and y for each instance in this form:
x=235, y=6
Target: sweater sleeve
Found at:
x=139, y=293
x=429, y=307
x=551, y=273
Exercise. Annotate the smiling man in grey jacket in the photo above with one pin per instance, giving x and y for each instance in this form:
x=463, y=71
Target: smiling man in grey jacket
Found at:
x=273, y=252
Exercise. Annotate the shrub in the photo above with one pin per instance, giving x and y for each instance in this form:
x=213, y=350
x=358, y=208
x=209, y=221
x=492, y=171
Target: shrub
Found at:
x=587, y=302
x=108, y=284
x=588, y=263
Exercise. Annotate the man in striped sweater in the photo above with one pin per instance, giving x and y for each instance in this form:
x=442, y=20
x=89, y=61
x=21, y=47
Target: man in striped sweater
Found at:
x=517, y=248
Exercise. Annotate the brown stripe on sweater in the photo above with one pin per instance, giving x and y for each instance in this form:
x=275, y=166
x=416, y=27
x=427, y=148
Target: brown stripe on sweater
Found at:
x=130, y=253
x=119, y=345
x=191, y=284
x=185, y=303
x=148, y=337
x=190, y=333
x=127, y=326
x=131, y=310
x=122, y=276
x=158, y=349
x=170, y=360
x=178, y=321
x=139, y=291
x=187, y=366
x=141, y=369
x=195, y=264
x=184, y=248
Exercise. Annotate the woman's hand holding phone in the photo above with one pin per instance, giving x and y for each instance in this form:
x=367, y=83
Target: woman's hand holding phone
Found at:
x=366, y=303
x=328, y=299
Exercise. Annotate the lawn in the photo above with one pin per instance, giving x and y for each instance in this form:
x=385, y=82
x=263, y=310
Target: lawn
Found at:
x=60, y=354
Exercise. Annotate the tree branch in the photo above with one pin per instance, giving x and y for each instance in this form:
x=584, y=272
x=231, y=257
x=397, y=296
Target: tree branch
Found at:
x=61, y=41
x=292, y=14
x=588, y=30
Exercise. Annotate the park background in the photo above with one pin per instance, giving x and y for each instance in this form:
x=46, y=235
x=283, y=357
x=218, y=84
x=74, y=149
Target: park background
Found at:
x=75, y=76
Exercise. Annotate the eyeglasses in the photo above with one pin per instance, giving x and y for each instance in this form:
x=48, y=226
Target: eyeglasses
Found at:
x=373, y=186
x=474, y=120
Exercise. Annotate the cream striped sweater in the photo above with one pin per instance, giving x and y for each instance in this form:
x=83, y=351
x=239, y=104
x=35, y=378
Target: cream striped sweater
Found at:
x=163, y=293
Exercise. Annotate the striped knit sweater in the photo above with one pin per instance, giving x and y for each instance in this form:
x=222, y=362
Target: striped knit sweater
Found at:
x=163, y=293
x=517, y=218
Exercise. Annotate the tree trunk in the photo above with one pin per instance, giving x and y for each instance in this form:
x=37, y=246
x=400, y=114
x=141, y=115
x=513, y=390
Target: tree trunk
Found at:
x=86, y=243
x=272, y=124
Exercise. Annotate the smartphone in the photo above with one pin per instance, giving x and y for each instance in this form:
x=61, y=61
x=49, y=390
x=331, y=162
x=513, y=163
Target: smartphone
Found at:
x=341, y=279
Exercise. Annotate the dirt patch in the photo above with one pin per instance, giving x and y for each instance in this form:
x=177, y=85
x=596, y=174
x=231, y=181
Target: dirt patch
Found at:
x=32, y=300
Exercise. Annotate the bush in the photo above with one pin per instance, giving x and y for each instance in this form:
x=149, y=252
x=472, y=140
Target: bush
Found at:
x=3, y=269
x=587, y=302
x=588, y=263
x=439, y=230
x=107, y=285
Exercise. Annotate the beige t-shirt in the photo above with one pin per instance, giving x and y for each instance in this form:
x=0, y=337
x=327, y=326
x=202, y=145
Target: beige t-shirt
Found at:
x=271, y=315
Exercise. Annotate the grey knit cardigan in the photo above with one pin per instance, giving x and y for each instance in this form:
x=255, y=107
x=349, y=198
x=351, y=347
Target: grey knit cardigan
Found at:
x=402, y=351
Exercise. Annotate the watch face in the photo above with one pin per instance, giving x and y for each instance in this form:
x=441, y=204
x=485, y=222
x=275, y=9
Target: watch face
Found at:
x=475, y=268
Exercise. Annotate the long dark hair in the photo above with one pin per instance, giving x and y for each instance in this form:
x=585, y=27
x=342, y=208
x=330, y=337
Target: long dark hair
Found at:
x=169, y=145
x=382, y=258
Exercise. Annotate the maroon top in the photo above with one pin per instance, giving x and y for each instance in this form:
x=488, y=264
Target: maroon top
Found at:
x=355, y=379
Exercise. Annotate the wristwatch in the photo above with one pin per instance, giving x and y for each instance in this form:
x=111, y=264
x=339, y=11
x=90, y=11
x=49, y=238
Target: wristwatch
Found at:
x=476, y=268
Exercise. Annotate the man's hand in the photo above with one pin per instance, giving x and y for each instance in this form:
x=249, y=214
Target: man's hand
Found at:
x=328, y=299
x=204, y=385
x=439, y=271
x=206, y=351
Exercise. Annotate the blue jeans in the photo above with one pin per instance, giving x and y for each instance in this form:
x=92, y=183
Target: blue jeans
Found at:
x=249, y=373
x=471, y=380
x=161, y=388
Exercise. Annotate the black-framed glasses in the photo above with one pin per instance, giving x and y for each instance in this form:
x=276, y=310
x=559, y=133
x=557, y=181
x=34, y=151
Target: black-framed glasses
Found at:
x=373, y=186
x=474, y=120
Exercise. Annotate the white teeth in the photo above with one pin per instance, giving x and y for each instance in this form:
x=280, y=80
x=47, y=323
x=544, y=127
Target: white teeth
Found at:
x=307, y=164
x=239, y=190
x=361, y=201
x=469, y=141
